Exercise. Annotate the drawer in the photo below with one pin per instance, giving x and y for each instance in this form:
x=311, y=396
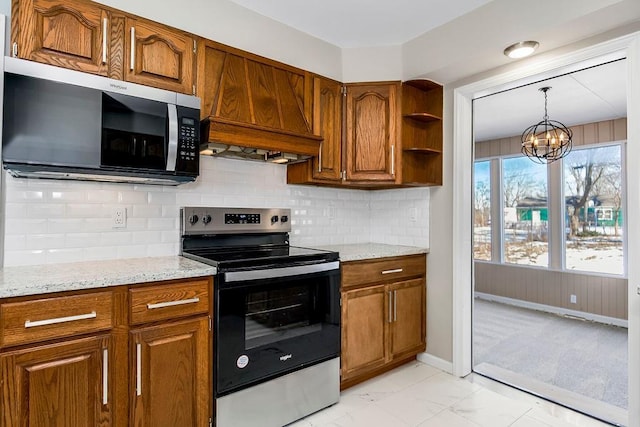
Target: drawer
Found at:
x=162, y=302
x=384, y=270
x=56, y=317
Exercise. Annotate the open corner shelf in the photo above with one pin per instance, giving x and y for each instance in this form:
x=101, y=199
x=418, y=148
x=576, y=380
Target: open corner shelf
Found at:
x=419, y=150
x=421, y=133
x=422, y=117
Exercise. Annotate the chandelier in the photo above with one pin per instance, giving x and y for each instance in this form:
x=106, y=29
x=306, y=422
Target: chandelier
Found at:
x=548, y=140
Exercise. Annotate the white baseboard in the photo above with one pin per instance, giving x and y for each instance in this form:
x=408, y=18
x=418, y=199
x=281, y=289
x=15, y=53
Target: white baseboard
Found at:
x=555, y=310
x=436, y=362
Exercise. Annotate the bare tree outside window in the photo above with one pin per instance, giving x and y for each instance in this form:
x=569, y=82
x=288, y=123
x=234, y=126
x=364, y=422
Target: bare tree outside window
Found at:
x=482, y=211
x=593, y=210
x=524, y=185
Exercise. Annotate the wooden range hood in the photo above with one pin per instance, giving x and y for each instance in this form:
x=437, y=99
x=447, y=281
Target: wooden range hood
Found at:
x=255, y=103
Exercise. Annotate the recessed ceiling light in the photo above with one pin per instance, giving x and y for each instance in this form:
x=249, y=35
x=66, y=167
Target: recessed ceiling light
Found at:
x=521, y=49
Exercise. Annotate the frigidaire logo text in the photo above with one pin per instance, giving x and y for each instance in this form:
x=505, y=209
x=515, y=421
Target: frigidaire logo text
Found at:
x=116, y=86
x=285, y=357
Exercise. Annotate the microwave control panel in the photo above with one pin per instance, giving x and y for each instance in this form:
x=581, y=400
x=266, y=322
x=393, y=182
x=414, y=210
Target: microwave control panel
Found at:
x=188, y=144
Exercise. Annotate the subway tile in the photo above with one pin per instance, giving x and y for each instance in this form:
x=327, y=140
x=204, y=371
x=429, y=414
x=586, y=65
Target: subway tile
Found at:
x=134, y=197
x=66, y=196
x=65, y=225
x=163, y=249
x=55, y=256
x=81, y=240
x=153, y=211
x=102, y=196
x=45, y=241
x=46, y=210
x=117, y=237
x=147, y=237
x=25, y=226
x=26, y=257
x=162, y=223
x=146, y=211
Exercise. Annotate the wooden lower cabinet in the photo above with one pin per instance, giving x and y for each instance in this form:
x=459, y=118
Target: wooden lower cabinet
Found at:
x=170, y=367
x=136, y=355
x=67, y=384
x=383, y=320
x=407, y=335
x=364, y=330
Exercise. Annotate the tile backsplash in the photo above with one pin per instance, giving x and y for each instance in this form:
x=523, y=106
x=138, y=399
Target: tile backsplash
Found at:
x=49, y=221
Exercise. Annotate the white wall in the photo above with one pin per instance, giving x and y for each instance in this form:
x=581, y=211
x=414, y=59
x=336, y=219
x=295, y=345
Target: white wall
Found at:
x=51, y=221
x=370, y=64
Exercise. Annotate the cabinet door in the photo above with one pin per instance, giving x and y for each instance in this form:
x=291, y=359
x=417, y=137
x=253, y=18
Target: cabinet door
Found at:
x=159, y=56
x=408, y=313
x=65, y=385
x=371, y=132
x=327, y=122
x=71, y=34
x=364, y=330
x=171, y=375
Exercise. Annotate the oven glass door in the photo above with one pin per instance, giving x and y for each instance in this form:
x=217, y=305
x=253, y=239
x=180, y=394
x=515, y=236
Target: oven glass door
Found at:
x=274, y=325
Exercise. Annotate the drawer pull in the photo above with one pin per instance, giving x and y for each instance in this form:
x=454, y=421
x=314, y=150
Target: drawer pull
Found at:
x=30, y=324
x=132, y=60
x=395, y=270
x=395, y=306
x=105, y=376
x=389, y=311
x=104, y=41
x=138, y=369
x=173, y=303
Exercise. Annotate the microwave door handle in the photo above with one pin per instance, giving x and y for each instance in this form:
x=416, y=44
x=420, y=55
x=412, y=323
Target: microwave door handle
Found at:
x=172, y=153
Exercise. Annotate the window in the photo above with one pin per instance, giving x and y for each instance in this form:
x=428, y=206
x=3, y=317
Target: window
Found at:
x=482, y=211
x=525, y=223
x=593, y=210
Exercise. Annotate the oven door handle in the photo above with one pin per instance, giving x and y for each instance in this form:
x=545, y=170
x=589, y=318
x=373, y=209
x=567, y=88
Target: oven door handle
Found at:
x=271, y=273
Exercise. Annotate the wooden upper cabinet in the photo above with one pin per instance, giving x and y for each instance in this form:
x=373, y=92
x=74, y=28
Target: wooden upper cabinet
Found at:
x=85, y=36
x=71, y=34
x=371, y=131
x=252, y=101
x=327, y=122
x=159, y=56
x=66, y=384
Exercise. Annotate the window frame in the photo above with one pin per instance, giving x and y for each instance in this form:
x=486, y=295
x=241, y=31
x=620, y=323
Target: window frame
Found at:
x=555, y=211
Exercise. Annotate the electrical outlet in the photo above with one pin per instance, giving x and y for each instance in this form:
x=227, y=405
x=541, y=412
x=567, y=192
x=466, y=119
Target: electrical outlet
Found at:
x=119, y=217
x=574, y=299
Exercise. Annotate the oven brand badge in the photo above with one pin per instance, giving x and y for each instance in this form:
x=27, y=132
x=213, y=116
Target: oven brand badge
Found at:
x=242, y=361
x=285, y=357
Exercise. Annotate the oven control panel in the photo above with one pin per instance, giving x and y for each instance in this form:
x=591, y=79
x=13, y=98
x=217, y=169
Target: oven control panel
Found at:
x=241, y=218
x=214, y=220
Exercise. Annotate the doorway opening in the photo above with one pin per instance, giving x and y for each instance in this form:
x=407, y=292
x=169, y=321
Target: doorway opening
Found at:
x=550, y=298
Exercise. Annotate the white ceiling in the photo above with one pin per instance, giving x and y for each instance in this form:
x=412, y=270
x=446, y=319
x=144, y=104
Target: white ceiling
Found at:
x=448, y=40
x=586, y=96
x=363, y=23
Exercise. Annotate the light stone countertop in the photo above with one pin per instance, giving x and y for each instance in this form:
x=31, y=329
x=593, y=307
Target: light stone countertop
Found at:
x=363, y=251
x=41, y=279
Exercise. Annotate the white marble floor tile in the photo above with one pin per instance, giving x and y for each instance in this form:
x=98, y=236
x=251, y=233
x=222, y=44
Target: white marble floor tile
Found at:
x=447, y=418
x=410, y=408
x=490, y=409
x=371, y=416
x=564, y=418
x=417, y=395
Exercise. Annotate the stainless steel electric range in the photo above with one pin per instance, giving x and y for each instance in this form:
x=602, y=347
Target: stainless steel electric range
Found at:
x=276, y=318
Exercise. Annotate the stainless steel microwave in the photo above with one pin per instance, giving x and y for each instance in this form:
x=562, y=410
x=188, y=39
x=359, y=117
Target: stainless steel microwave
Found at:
x=65, y=124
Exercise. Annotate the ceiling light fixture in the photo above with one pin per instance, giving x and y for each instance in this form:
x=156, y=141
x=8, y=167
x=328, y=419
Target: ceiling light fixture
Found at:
x=548, y=140
x=521, y=49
